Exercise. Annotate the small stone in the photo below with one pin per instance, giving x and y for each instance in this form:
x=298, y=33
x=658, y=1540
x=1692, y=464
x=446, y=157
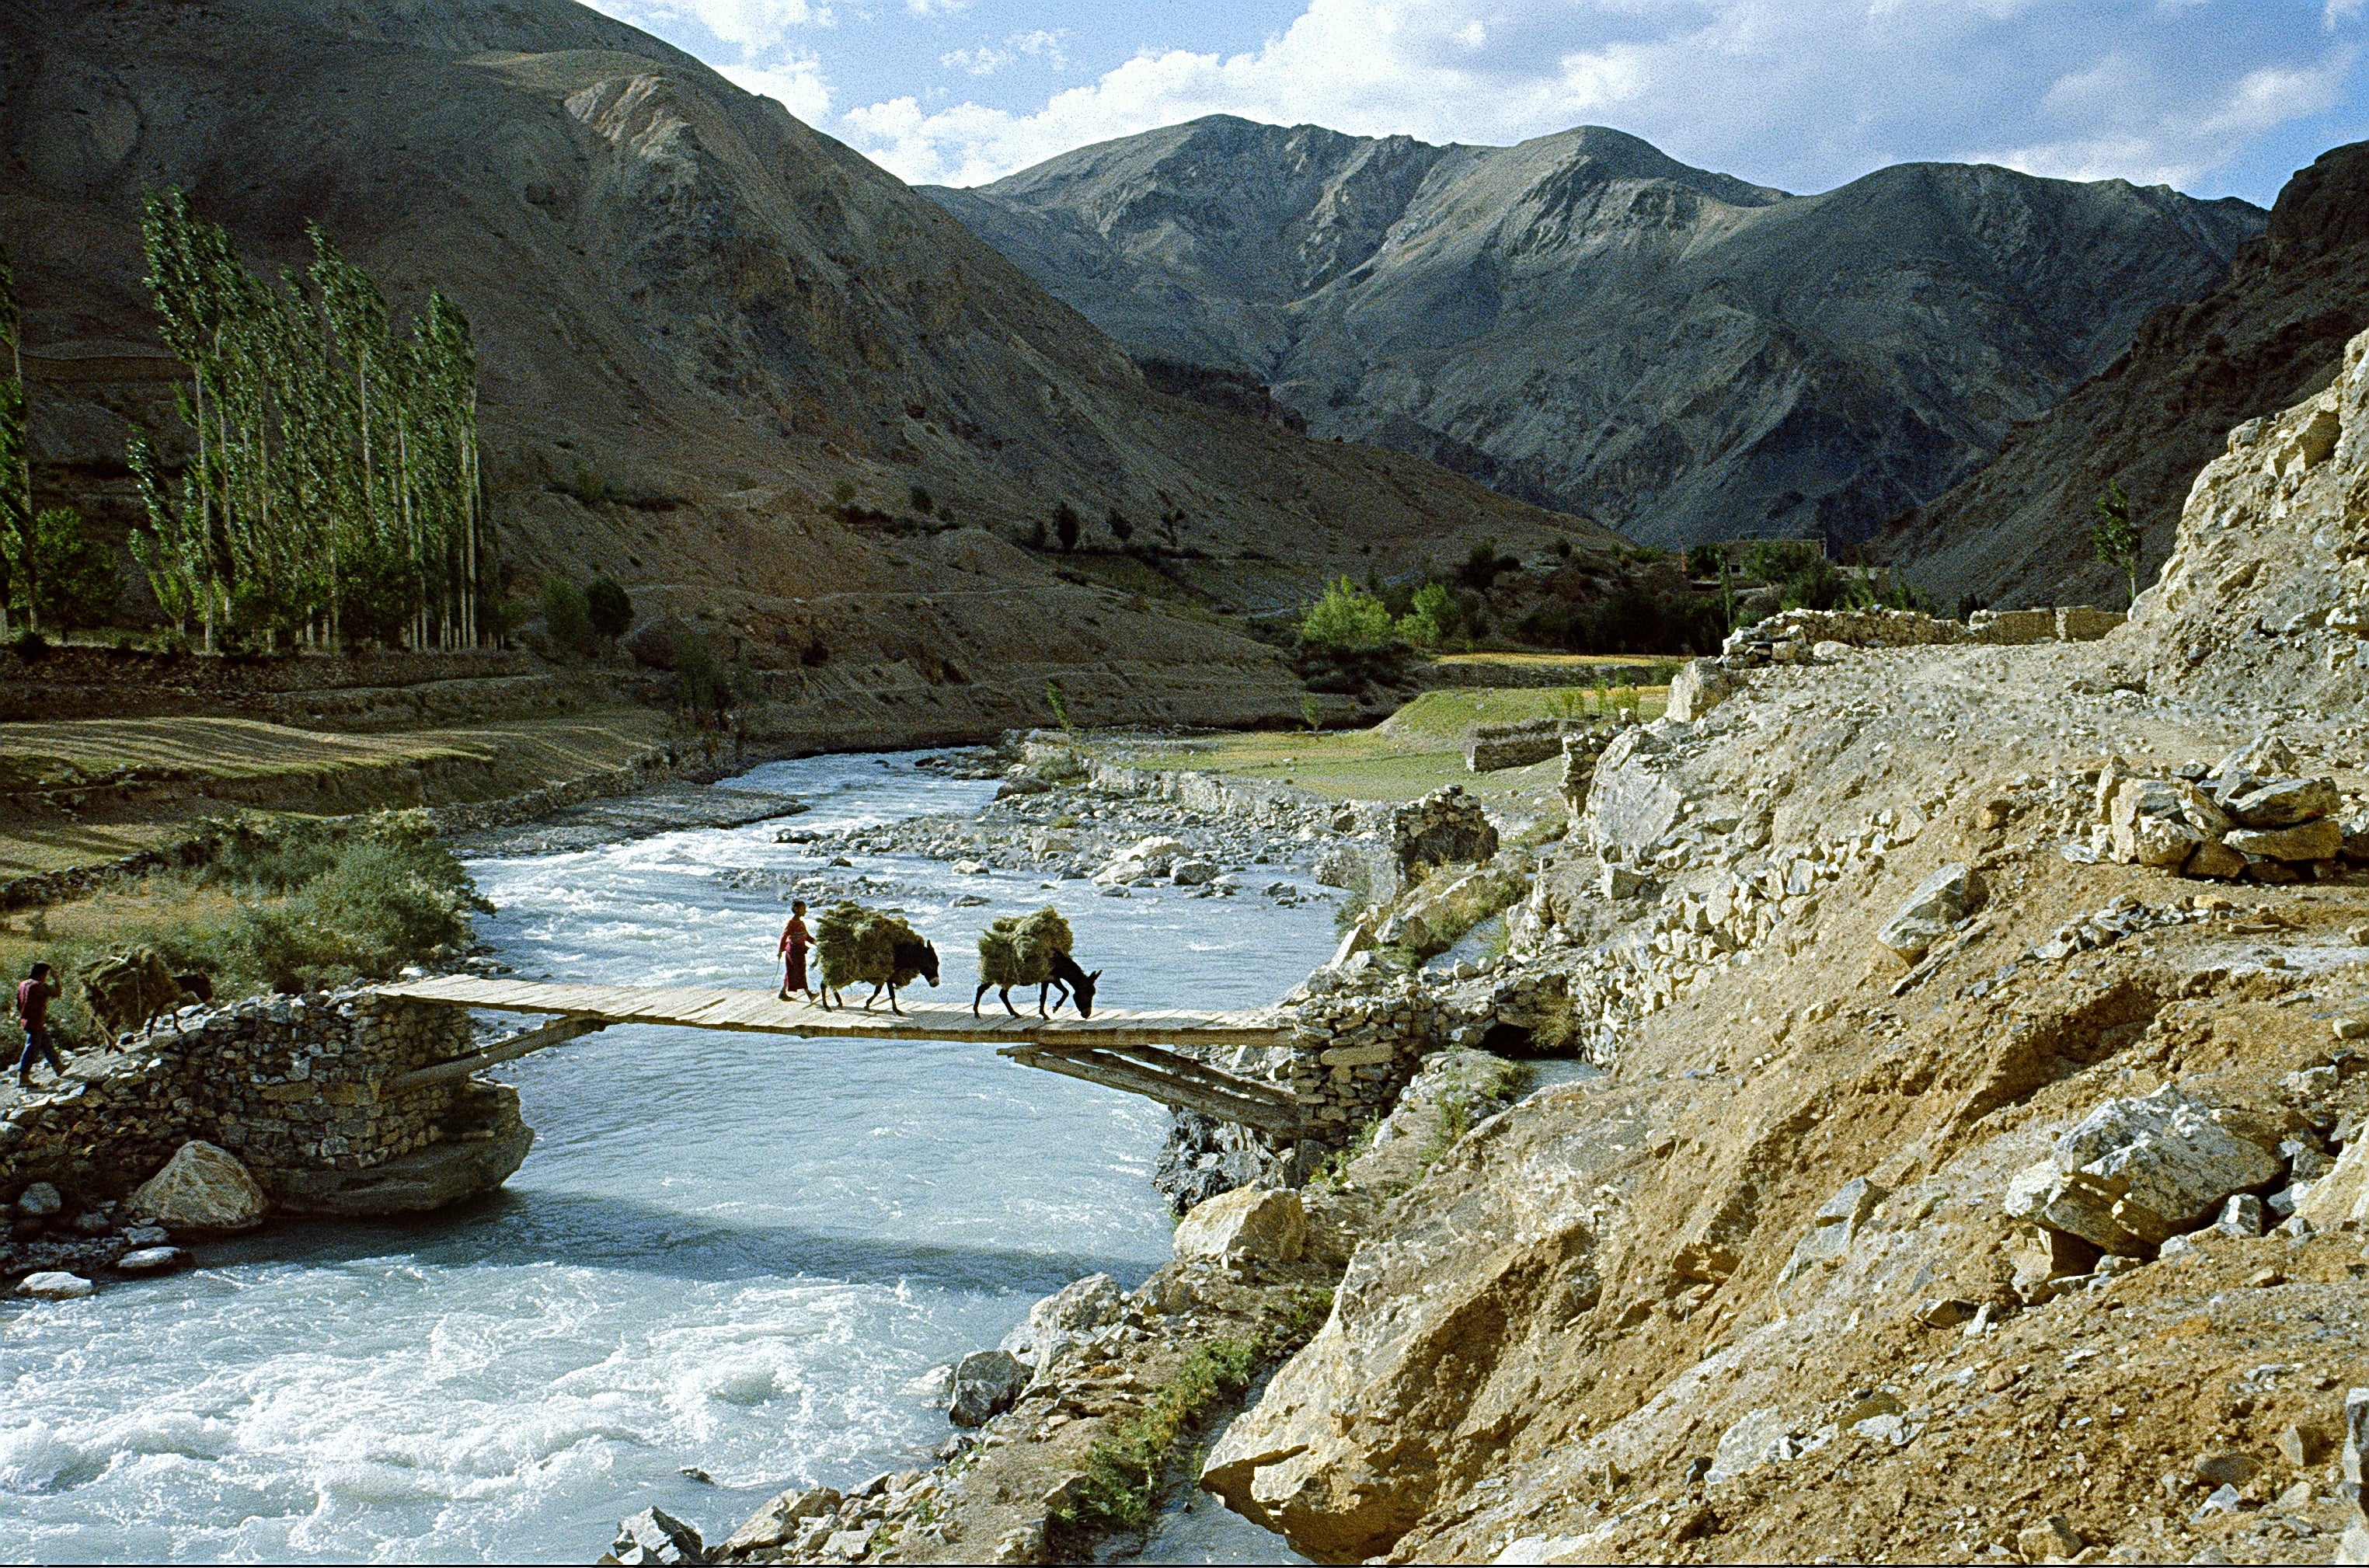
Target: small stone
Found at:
x=2242, y=1216
x=39, y=1201
x=777, y=1521
x=143, y=1236
x=2053, y=1540
x=2225, y=1468
x=1947, y=1312
x=2223, y=1499
x=55, y=1285
x=2265, y=1278
x=2296, y=1496
x=847, y=1546
x=2295, y=1447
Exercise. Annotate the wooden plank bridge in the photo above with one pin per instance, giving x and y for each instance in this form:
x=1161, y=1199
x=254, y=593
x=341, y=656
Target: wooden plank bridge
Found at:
x=1135, y=1051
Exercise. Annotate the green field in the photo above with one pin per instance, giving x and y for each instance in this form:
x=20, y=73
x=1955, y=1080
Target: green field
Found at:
x=1415, y=751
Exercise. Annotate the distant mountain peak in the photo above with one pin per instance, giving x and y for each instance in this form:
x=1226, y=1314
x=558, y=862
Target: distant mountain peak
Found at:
x=1583, y=320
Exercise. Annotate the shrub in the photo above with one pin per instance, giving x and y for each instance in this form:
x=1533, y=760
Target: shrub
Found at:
x=1065, y=525
x=1432, y=617
x=1120, y=528
x=1482, y=565
x=565, y=615
x=1124, y=1471
x=1346, y=618
x=608, y=609
x=923, y=500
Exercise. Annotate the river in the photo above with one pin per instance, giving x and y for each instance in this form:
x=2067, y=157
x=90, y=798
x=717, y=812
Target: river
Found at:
x=727, y=1252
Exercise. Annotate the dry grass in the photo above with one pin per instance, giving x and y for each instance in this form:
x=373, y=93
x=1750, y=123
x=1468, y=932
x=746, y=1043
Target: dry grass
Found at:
x=73, y=792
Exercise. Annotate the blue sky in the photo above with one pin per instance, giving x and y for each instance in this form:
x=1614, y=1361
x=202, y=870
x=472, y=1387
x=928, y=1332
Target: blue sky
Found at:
x=2214, y=96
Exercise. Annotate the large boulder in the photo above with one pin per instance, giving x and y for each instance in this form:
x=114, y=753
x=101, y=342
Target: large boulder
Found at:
x=55, y=1285
x=2134, y=1172
x=1932, y=911
x=1247, y=1225
x=2342, y=1194
x=984, y=1384
x=2286, y=803
x=1700, y=685
x=1632, y=804
x=447, y=1171
x=202, y=1188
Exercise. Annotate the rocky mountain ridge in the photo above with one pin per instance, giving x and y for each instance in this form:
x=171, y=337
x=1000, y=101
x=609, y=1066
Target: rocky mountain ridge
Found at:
x=1583, y=320
x=697, y=318
x=2018, y=530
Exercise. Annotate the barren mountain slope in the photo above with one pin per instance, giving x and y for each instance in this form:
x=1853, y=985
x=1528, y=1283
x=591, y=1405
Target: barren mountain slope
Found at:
x=1585, y=322
x=2017, y=532
x=1652, y=1318
x=694, y=314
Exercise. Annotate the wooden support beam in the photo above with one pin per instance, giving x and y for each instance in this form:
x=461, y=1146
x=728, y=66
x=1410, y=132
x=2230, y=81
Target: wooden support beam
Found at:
x=1176, y=1065
x=1112, y=1073
x=558, y=1032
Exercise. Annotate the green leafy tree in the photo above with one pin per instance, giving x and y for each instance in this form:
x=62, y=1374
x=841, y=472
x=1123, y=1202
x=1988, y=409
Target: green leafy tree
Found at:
x=1346, y=618
x=608, y=608
x=1060, y=706
x=567, y=613
x=2113, y=539
x=1431, y=617
x=73, y=570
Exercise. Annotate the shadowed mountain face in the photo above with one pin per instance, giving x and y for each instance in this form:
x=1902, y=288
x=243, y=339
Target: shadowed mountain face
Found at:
x=1584, y=322
x=696, y=316
x=2273, y=334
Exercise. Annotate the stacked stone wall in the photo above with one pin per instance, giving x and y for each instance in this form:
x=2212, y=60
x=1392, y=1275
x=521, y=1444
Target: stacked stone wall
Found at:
x=295, y=1086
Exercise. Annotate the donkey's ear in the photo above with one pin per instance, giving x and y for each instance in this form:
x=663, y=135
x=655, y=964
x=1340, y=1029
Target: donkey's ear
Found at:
x=1095, y=976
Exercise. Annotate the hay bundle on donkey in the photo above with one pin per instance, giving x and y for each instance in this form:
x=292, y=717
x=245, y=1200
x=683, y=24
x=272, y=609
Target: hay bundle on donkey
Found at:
x=1029, y=950
x=856, y=945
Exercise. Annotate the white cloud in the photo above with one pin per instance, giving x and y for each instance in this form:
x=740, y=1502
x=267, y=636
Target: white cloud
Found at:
x=754, y=26
x=1800, y=93
x=796, y=82
x=986, y=60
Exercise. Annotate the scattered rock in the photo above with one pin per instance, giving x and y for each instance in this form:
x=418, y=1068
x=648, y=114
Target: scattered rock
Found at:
x=202, y=1188
x=655, y=1536
x=1193, y=873
x=986, y=1383
x=1077, y=1309
x=39, y=1201
x=2053, y=1540
x=1932, y=911
x=777, y=1521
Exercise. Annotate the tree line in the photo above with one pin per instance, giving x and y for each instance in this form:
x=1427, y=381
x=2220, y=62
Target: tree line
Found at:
x=334, y=496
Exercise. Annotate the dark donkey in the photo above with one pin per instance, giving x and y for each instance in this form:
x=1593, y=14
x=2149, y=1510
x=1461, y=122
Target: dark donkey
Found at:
x=1074, y=984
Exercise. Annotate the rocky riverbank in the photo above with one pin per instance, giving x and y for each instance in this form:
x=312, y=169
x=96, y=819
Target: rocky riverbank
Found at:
x=1975, y=1170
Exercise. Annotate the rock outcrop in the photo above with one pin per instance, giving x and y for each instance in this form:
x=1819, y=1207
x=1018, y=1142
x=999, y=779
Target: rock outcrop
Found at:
x=1565, y=318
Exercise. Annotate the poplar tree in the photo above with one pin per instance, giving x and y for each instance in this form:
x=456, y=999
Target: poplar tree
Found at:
x=17, y=556
x=335, y=488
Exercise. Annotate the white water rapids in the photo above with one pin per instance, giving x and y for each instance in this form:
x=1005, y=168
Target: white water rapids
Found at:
x=727, y=1252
